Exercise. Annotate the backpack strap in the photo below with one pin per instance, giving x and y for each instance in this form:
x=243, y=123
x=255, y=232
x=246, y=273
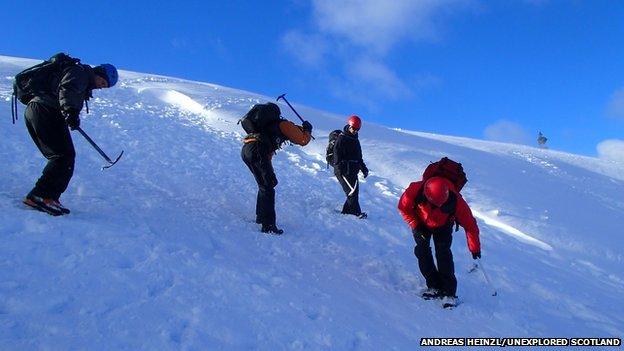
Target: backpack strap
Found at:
x=252, y=138
x=14, y=112
x=273, y=137
x=449, y=207
x=420, y=195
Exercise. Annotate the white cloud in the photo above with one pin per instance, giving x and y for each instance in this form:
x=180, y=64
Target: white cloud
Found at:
x=376, y=26
x=377, y=77
x=356, y=35
x=612, y=149
x=309, y=50
x=508, y=132
x=426, y=81
x=615, y=107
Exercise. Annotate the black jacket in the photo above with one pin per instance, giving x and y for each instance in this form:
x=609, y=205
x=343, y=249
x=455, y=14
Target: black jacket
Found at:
x=68, y=89
x=348, y=154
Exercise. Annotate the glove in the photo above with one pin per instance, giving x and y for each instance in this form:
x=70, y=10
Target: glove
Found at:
x=307, y=127
x=476, y=255
x=72, y=118
x=364, y=170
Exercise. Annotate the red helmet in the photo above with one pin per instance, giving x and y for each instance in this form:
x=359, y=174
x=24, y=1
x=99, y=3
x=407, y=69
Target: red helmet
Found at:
x=355, y=122
x=436, y=191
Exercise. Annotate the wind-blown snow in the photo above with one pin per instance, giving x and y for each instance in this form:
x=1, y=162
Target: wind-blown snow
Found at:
x=507, y=229
x=161, y=252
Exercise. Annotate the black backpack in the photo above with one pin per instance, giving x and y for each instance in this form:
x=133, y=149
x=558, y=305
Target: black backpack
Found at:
x=36, y=79
x=329, y=152
x=260, y=117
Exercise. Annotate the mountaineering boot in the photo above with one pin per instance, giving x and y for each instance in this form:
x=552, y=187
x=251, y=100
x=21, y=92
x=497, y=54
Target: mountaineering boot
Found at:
x=449, y=302
x=431, y=293
x=44, y=205
x=271, y=229
x=362, y=215
x=60, y=206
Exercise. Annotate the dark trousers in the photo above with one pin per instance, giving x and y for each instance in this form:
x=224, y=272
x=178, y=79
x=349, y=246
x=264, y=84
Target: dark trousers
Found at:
x=352, y=203
x=441, y=277
x=257, y=159
x=48, y=130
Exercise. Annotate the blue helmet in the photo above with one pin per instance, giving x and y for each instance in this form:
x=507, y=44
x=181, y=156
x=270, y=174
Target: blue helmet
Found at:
x=108, y=72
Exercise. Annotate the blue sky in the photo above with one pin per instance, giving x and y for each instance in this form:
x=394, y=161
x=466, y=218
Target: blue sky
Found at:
x=500, y=70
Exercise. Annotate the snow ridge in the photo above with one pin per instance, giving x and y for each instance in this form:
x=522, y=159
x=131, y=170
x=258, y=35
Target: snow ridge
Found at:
x=161, y=252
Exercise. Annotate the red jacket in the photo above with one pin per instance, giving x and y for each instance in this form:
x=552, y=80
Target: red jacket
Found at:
x=424, y=214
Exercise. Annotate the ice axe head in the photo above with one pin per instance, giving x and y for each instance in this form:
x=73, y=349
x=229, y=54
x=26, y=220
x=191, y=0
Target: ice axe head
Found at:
x=111, y=164
x=280, y=97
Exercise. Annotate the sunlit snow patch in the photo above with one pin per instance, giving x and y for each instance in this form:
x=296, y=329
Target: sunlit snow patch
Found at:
x=179, y=100
x=517, y=234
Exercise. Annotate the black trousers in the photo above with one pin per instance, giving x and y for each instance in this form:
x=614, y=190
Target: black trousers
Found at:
x=257, y=159
x=352, y=203
x=441, y=277
x=48, y=130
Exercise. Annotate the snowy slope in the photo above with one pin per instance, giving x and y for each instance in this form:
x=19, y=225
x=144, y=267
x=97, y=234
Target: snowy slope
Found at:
x=161, y=252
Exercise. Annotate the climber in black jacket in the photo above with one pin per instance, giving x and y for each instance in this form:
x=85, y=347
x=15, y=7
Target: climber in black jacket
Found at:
x=55, y=106
x=348, y=163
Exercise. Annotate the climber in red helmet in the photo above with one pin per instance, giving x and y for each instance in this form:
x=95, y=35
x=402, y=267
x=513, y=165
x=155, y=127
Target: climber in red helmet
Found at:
x=431, y=208
x=347, y=162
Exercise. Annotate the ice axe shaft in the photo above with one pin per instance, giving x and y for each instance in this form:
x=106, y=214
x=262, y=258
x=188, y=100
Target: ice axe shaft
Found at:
x=479, y=266
x=97, y=148
x=283, y=97
x=14, y=108
x=349, y=185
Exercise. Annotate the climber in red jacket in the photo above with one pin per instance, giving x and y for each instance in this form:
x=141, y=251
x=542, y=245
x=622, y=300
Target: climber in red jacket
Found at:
x=431, y=208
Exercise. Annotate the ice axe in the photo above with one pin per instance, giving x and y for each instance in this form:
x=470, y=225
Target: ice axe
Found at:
x=479, y=266
x=14, y=108
x=353, y=188
x=97, y=148
x=283, y=97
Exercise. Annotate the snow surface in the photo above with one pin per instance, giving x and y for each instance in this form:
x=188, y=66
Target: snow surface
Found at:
x=161, y=252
